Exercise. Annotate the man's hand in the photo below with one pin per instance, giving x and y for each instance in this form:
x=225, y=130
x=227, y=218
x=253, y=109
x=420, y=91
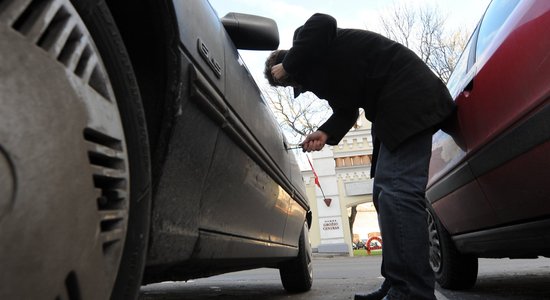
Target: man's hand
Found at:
x=278, y=72
x=315, y=141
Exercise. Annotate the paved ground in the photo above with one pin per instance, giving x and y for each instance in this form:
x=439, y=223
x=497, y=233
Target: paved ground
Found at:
x=340, y=277
x=334, y=278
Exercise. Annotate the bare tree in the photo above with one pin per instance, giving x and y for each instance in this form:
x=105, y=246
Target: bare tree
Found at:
x=448, y=53
x=423, y=31
x=398, y=24
x=351, y=218
x=298, y=117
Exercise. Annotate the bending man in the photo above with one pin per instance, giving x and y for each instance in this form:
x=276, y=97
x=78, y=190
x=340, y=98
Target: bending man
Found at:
x=406, y=103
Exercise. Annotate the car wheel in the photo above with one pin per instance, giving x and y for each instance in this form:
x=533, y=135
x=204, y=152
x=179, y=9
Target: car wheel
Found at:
x=452, y=269
x=74, y=164
x=297, y=274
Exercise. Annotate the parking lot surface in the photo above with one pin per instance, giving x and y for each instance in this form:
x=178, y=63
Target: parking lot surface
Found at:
x=340, y=277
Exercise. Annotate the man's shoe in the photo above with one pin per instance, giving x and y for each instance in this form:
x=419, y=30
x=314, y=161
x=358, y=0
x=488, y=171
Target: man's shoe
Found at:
x=376, y=295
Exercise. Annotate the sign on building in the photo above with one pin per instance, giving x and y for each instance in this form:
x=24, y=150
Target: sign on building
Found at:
x=331, y=227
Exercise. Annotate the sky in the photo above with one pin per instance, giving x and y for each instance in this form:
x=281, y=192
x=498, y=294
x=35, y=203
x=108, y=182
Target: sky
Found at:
x=362, y=14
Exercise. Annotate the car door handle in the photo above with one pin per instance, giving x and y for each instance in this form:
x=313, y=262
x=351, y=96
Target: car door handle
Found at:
x=468, y=89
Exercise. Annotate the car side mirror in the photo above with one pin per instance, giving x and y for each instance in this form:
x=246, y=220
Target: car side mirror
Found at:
x=250, y=32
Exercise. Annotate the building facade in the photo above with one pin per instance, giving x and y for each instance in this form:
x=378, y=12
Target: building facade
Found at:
x=344, y=176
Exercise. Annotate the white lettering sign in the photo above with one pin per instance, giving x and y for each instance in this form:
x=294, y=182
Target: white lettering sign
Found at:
x=331, y=227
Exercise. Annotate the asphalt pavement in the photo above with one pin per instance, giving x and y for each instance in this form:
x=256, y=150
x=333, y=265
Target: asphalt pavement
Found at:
x=340, y=277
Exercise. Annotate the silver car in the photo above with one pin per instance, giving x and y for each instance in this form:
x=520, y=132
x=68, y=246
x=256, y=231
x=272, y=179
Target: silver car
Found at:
x=135, y=148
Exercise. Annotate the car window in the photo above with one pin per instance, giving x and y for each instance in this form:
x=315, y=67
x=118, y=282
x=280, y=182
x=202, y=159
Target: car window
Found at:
x=460, y=70
x=496, y=14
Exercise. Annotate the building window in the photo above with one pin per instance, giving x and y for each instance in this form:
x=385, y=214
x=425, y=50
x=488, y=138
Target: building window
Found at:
x=349, y=161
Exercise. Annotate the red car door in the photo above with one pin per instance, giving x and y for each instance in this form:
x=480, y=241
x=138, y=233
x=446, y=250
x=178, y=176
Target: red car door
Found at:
x=503, y=113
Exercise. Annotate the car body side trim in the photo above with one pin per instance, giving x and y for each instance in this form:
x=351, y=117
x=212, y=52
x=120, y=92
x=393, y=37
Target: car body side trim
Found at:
x=451, y=182
x=205, y=231
x=214, y=106
x=519, y=139
x=513, y=238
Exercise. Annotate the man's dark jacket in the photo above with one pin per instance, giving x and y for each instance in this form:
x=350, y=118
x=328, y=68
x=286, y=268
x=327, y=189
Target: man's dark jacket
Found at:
x=352, y=69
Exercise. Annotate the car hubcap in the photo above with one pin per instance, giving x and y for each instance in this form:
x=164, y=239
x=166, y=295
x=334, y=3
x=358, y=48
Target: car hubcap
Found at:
x=435, y=247
x=308, y=251
x=62, y=157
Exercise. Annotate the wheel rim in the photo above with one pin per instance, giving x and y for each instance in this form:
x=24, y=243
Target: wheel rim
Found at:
x=435, y=245
x=61, y=134
x=308, y=251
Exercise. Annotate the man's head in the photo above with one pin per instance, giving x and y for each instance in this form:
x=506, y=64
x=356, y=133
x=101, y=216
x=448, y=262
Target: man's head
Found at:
x=276, y=57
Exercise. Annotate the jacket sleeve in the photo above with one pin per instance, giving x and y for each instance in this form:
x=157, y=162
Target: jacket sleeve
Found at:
x=311, y=38
x=339, y=124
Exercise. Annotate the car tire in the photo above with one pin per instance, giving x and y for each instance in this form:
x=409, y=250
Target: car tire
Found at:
x=297, y=274
x=74, y=149
x=102, y=27
x=453, y=270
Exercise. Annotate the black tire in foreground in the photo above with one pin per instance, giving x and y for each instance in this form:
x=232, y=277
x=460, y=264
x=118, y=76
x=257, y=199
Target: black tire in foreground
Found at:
x=297, y=274
x=74, y=161
x=102, y=27
x=453, y=270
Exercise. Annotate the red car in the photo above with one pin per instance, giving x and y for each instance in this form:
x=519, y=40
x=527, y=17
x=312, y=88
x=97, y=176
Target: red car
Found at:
x=489, y=188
